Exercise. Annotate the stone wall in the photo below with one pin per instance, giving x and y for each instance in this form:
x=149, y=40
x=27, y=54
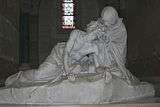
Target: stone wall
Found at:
x=9, y=25
x=45, y=21
x=10, y=9
x=9, y=37
x=143, y=23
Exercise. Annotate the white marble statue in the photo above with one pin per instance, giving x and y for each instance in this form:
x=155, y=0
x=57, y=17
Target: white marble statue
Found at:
x=96, y=56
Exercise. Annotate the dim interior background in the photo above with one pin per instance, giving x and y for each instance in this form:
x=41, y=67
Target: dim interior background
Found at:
x=29, y=29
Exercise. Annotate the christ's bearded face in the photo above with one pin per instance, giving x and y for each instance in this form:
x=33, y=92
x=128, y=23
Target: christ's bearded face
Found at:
x=92, y=26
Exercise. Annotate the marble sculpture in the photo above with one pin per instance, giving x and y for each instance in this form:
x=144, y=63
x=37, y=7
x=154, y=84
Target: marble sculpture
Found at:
x=87, y=69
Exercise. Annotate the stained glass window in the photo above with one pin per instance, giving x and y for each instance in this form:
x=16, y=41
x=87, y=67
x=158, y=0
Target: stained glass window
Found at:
x=68, y=14
x=68, y=1
x=68, y=9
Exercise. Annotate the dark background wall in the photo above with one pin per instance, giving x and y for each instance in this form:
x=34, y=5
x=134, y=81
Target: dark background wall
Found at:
x=9, y=25
x=141, y=17
x=143, y=23
x=9, y=37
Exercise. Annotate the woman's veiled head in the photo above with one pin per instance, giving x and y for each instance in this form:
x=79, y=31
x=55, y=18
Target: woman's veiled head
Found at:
x=109, y=15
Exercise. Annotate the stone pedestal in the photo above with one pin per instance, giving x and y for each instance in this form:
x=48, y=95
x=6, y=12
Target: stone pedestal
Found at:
x=77, y=93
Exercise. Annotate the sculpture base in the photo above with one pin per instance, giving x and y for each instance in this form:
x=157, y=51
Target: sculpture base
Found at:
x=77, y=93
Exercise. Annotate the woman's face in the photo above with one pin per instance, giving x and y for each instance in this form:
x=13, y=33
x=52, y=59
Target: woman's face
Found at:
x=109, y=16
x=108, y=20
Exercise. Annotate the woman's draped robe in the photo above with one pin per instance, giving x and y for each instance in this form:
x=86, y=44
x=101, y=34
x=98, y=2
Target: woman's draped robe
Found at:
x=108, y=49
x=82, y=54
